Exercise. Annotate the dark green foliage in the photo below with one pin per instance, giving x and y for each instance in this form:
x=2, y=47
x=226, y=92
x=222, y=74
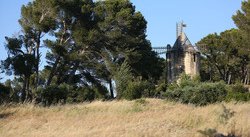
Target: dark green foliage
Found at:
x=160, y=88
x=133, y=91
x=137, y=89
x=64, y=93
x=190, y=91
x=53, y=94
x=122, y=33
x=225, y=57
x=130, y=88
x=193, y=92
x=238, y=87
x=241, y=19
x=149, y=89
x=20, y=63
x=84, y=94
x=92, y=43
x=4, y=94
x=237, y=96
x=208, y=93
x=88, y=42
x=122, y=78
x=237, y=92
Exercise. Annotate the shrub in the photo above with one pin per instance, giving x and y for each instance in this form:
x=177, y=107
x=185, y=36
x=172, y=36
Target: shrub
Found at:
x=134, y=91
x=53, y=94
x=83, y=94
x=161, y=88
x=198, y=93
x=65, y=93
x=237, y=96
x=4, y=94
x=137, y=89
x=186, y=80
x=122, y=78
x=148, y=89
x=86, y=94
x=237, y=92
x=238, y=87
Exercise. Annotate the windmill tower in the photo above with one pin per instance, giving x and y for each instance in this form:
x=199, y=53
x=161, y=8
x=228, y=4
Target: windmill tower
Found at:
x=182, y=57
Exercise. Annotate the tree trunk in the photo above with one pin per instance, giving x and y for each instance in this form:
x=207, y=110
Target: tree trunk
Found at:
x=28, y=94
x=52, y=72
x=38, y=59
x=111, y=88
x=229, y=79
x=23, y=94
x=246, y=77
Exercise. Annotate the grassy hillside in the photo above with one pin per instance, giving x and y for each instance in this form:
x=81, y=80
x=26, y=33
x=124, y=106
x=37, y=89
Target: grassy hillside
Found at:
x=150, y=117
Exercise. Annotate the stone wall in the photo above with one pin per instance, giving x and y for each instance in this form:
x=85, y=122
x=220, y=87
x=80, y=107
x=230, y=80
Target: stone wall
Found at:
x=191, y=63
x=179, y=62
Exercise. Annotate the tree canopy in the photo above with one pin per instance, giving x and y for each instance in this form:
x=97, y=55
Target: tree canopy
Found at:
x=87, y=41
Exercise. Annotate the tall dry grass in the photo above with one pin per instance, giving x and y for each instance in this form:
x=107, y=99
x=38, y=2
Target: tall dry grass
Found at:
x=150, y=117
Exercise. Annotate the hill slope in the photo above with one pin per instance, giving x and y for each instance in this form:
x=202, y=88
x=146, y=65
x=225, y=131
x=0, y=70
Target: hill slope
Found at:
x=150, y=117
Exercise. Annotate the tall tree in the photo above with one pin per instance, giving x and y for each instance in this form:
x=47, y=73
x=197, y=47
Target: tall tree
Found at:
x=20, y=62
x=225, y=56
x=37, y=18
x=122, y=33
x=62, y=46
x=242, y=21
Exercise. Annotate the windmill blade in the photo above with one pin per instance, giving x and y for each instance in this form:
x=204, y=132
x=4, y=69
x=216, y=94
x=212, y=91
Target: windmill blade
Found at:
x=160, y=50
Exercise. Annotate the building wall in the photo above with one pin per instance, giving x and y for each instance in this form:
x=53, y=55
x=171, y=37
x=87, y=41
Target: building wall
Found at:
x=191, y=63
x=179, y=62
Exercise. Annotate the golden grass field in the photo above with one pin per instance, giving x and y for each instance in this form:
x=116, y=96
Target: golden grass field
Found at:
x=141, y=118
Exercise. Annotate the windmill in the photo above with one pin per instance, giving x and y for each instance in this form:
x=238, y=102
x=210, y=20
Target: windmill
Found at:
x=182, y=57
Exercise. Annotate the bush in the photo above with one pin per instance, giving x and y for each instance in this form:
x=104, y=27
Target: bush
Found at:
x=137, y=89
x=239, y=88
x=65, y=93
x=133, y=91
x=197, y=93
x=122, y=78
x=210, y=93
x=161, y=87
x=83, y=94
x=53, y=94
x=237, y=96
x=237, y=92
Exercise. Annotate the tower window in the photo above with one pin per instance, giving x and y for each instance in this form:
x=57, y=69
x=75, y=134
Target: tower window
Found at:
x=194, y=57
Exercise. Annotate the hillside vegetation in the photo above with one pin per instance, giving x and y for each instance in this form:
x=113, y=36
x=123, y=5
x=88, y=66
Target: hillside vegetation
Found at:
x=143, y=117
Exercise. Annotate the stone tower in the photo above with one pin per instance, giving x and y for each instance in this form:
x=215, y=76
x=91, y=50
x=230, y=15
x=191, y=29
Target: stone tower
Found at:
x=182, y=57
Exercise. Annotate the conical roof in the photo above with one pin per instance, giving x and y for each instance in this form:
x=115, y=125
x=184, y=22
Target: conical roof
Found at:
x=182, y=42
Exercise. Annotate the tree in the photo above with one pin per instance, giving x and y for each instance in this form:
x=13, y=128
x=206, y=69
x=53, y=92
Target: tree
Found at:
x=87, y=42
x=37, y=18
x=242, y=21
x=122, y=77
x=242, y=18
x=20, y=62
x=61, y=48
x=225, y=56
x=123, y=32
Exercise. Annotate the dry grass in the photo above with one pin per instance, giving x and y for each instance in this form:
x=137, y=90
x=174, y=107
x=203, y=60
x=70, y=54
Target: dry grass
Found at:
x=152, y=117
